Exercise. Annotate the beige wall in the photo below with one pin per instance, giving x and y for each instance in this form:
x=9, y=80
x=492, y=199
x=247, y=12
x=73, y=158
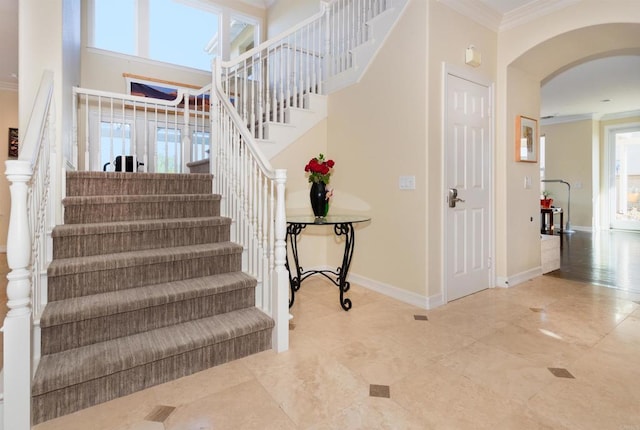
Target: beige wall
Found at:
x=284, y=14
x=8, y=119
x=569, y=157
x=447, y=46
x=522, y=223
x=376, y=133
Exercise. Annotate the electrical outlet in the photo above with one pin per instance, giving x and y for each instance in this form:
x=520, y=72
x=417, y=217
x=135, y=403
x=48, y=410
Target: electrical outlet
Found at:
x=407, y=182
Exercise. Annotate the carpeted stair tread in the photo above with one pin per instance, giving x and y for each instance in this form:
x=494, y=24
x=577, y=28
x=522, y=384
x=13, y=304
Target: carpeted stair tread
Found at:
x=136, y=198
x=76, y=366
x=110, y=183
x=97, y=305
x=66, y=230
x=67, y=266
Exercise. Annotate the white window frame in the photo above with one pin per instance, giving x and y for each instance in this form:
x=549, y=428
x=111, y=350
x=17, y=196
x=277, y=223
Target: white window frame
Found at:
x=225, y=15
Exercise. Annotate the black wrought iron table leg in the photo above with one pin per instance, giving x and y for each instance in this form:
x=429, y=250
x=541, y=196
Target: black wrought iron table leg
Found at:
x=293, y=230
x=346, y=230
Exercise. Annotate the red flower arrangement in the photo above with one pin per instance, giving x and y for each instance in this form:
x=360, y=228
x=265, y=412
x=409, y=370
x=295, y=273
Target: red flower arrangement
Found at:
x=319, y=169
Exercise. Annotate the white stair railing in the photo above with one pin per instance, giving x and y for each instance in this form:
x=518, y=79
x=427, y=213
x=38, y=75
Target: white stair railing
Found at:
x=253, y=197
x=33, y=190
x=263, y=82
x=164, y=135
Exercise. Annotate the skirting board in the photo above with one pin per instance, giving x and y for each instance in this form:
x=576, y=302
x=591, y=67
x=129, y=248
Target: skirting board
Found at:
x=512, y=281
x=398, y=293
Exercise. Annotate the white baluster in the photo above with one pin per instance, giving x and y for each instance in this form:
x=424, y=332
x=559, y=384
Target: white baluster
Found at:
x=17, y=323
x=280, y=277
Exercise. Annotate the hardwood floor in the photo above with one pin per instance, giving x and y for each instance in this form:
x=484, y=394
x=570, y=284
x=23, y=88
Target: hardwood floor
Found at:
x=609, y=258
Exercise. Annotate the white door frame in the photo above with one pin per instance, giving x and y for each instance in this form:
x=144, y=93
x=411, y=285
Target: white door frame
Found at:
x=607, y=208
x=477, y=78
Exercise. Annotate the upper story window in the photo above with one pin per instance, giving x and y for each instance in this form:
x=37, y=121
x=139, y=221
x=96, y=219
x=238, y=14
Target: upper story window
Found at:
x=171, y=31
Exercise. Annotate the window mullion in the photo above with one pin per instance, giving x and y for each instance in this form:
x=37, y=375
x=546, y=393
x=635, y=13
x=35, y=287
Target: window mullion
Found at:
x=142, y=42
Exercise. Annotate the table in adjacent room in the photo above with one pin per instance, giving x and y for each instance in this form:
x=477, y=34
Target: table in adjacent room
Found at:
x=343, y=225
x=548, y=213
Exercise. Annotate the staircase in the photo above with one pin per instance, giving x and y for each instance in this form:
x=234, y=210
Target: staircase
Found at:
x=144, y=287
x=301, y=67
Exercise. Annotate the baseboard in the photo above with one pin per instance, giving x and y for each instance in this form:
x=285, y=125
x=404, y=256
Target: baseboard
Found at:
x=512, y=281
x=582, y=228
x=398, y=293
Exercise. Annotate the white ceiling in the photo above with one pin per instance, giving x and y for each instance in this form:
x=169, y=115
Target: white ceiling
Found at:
x=573, y=93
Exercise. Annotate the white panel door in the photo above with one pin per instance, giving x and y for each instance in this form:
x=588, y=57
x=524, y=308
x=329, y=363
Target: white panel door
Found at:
x=467, y=226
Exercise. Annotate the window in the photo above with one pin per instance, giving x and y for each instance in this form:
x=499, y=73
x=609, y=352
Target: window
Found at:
x=115, y=139
x=171, y=31
x=168, y=150
x=178, y=33
x=200, y=144
x=106, y=34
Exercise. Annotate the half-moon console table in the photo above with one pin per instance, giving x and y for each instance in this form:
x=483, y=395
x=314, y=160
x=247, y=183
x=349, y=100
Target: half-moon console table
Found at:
x=342, y=226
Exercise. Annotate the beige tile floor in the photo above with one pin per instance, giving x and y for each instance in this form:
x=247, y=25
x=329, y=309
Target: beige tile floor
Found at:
x=481, y=362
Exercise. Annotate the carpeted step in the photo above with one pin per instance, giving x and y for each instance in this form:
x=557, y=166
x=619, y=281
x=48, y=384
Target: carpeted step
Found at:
x=75, y=277
x=71, y=323
x=81, y=240
x=120, y=183
x=97, y=209
x=82, y=377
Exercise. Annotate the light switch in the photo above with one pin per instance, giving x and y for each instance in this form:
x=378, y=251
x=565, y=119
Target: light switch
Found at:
x=407, y=182
x=527, y=182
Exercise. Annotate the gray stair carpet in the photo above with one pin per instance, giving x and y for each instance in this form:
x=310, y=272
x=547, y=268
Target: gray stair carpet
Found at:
x=145, y=287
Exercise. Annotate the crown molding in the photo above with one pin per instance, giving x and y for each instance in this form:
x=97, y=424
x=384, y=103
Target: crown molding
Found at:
x=262, y=4
x=532, y=11
x=620, y=115
x=477, y=11
x=494, y=20
x=568, y=118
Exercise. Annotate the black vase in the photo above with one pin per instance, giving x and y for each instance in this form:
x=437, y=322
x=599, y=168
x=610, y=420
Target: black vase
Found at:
x=318, y=197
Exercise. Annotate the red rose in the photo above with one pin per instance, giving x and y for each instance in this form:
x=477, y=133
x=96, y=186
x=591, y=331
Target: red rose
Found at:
x=330, y=163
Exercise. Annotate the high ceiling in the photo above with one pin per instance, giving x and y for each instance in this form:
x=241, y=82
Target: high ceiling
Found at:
x=598, y=87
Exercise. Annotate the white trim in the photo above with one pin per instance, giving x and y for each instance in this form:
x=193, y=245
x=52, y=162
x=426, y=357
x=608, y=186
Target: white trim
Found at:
x=609, y=173
x=477, y=11
x=496, y=21
x=532, y=11
x=582, y=228
x=512, y=281
x=476, y=77
x=414, y=299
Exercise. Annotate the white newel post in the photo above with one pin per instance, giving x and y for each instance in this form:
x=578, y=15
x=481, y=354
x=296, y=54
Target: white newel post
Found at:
x=17, y=324
x=280, y=277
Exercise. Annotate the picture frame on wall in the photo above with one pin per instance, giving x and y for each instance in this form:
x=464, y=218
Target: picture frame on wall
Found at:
x=526, y=139
x=13, y=143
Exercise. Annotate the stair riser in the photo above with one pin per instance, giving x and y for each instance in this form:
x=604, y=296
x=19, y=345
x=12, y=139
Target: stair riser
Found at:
x=101, y=281
x=97, y=244
x=110, y=184
x=73, y=335
x=65, y=401
x=132, y=211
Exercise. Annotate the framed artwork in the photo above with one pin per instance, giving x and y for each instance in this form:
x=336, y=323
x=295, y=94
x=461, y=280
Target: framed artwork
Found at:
x=13, y=143
x=526, y=139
